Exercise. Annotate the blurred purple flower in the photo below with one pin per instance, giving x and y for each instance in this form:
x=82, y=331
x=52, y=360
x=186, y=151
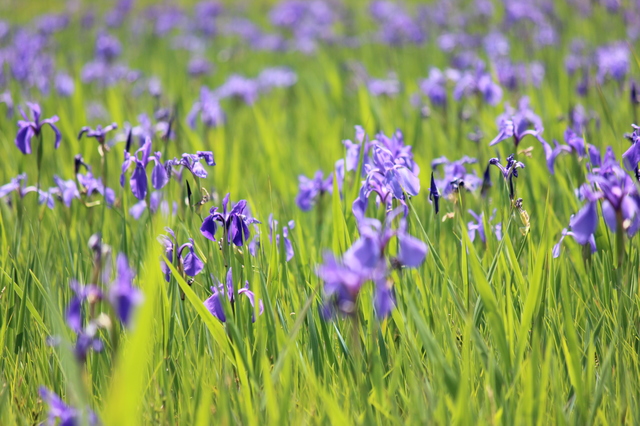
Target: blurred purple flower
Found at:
x=99, y=133
x=64, y=85
x=61, y=412
x=310, y=190
x=208, y=107
x=478, y=227
x=123, y=296
x=273, y=232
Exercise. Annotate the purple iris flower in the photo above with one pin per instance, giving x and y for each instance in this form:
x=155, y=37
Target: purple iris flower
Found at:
x=192, y=162
x=631, y=157
x=574, y=144
x=391, y=173
x=591, y=240
x=480, y=82
x=396, y=25
x=620, y=200
x=434, y=87
x=276, y=77
x=208, y=106
x=90, y=293
x=235, y=222
x=29, y=129
x=273, y=230
x=478, y=227
x=365, y=260
x=383, y=87
x=67, y=190
x=312, y=189
x=107, y=47
x=91, y=185
x=613, y=61
x=238, y=87
x=61, y=413
x=509, y=171
x=64, y=85
x=99, y=133
x=191, y=262
x=138, y=180
x=122, y=294
x=139, y=208
x=214, y=302
x=518, y=124
x=16, y=184
x=455, y=175
x=199, y=66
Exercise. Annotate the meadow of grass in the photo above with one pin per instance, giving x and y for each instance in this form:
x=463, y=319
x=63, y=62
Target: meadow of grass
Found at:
x=495, y=332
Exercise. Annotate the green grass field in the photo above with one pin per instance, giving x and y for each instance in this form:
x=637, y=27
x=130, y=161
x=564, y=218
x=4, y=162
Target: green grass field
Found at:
x=482, y=333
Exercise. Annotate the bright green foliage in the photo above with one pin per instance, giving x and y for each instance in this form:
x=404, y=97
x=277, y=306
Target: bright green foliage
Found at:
x=483, y=334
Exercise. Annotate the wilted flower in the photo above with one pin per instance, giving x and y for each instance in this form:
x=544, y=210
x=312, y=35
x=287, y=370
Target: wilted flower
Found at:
x=29, y=129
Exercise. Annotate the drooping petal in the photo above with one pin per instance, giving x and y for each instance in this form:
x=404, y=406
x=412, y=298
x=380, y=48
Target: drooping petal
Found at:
x=55, y=129
x=137, y=209
x=584, y=223
x=138, y=181
x=412, y=251
x=192, y=263
x=214, y=305
x=159, y=175
x=364, y=254
x=23, y=139
x=384, y=300
x=209, y=227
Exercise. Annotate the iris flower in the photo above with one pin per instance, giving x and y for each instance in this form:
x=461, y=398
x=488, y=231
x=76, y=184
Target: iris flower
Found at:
x=366, y=261
x=28, y=129
x=122, y=294
x=518, y=124
x=214, y=302
x=235, y=222
x=138, y=180
x=190, y=263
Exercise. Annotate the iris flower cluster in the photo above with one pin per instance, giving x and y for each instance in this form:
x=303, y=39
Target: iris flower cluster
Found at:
x=389, y=169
